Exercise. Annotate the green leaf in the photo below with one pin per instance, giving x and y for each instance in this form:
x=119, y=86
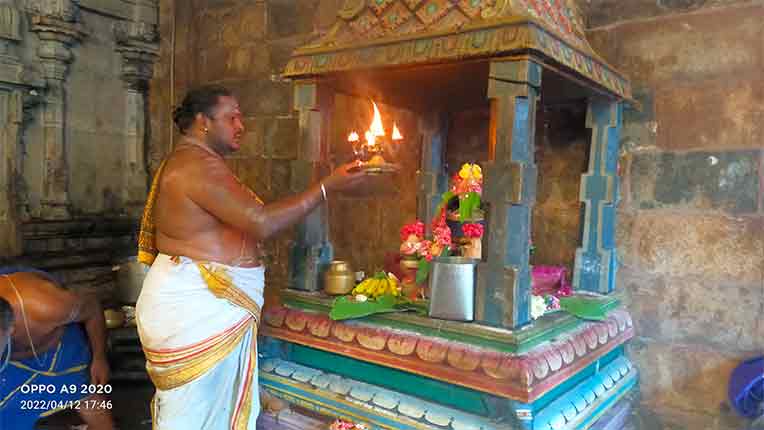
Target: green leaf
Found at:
x=590, y=308
x=463, y=209
x=421, y=307
x=422, y=271
x=448, y=195
x=473, y=200
x=467, y=206
x=346, y=307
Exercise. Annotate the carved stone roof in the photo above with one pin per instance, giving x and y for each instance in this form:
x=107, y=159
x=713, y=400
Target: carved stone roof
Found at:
x=377, y=33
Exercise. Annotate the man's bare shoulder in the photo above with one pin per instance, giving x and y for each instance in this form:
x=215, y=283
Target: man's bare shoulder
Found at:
x=188, y=165
x=31, y=281
x=39, y=294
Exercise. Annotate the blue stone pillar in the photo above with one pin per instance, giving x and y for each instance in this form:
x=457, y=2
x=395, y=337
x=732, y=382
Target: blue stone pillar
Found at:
x=312, y=251
x=432, y=180
x=596, y=260
x=504, y=280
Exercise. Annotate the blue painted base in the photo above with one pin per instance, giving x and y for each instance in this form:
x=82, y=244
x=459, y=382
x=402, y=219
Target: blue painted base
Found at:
x=616, y=417
x=578, y=408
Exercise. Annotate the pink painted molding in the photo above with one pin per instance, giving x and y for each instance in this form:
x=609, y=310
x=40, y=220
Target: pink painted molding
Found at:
x=522, y=377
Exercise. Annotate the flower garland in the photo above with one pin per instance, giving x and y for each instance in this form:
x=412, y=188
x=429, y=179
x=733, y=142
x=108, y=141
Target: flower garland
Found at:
x=347, y=425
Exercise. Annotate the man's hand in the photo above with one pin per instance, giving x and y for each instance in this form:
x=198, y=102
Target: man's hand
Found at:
x=99, y=371
x=344, y=179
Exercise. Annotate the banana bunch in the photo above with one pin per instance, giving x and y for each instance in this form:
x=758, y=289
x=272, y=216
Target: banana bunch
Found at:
x=378, y=285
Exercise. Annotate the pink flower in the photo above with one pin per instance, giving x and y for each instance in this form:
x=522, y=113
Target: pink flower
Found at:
x=442, y=235
x=465, y=186
x=410, y=247
x=472, y=230
x=565, y=290
x=424, y=250
x=342, y=425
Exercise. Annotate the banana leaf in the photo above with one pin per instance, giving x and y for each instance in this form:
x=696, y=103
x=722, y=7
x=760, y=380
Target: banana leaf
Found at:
x=423, y=271
x=586, y=307
x=421, y=307
x=346, y=307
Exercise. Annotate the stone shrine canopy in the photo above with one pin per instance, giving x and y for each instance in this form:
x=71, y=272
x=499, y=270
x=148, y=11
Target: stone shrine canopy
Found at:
x=382, y=33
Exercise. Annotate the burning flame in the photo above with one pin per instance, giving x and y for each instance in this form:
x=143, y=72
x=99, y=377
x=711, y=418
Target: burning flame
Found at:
x=375, y=145
x=376, y=124
x=370, y=138
x=396, y=133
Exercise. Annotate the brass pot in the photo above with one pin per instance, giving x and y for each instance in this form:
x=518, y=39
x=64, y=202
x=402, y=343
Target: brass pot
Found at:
x=113, y=318
x=409, y=264
x=339, y=279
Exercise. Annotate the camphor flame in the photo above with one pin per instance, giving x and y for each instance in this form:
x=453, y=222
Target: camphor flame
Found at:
x=370, y=138
x=376, y=127
x=396, y=133
x=374, y=146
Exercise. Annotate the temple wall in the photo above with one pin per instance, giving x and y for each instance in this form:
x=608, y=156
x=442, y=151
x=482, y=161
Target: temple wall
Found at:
x=692, y=215
x=691, y=230
x=73, y=109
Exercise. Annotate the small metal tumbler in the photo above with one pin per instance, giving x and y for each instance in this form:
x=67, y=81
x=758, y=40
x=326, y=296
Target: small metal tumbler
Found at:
x=452, y=288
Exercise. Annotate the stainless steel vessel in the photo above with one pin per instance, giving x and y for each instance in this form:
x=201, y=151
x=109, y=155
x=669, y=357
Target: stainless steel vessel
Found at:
x=130, y=275
x=452, y=288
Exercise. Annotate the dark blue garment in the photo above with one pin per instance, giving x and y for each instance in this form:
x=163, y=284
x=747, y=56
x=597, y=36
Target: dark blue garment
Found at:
x=63, y=368
x=746, y=388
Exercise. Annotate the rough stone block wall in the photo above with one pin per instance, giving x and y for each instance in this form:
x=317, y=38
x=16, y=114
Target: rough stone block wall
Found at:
x=243, y=45
x=691, y=222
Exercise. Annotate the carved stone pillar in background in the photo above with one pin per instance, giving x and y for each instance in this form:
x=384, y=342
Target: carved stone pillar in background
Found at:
x=137, y=42
x=12, y=87
x=58, y=31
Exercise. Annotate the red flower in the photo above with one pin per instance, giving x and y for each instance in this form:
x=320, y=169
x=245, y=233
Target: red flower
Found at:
x=472, y=230
x=415, y=228
x=442, y=235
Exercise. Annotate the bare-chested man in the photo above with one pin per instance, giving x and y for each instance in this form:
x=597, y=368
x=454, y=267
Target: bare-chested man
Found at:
x=43, y=345
x=200, y=304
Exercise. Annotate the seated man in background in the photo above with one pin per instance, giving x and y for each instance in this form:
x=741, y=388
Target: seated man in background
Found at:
x=42, y=344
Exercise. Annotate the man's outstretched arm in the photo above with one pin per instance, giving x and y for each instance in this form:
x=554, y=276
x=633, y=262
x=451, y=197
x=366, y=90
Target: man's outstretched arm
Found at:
x=216, y=190
x=91, y=314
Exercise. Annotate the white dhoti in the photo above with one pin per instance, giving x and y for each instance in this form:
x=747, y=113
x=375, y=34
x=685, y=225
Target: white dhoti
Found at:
x=198, y=327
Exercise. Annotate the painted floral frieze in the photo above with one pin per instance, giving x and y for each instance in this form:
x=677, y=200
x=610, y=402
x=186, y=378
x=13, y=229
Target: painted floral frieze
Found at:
x=518, y=376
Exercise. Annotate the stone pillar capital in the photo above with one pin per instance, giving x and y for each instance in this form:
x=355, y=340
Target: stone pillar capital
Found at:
x=11, y=68
x=137, y=42
x=60, y=10
x=10, y=19
x=56, y=40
